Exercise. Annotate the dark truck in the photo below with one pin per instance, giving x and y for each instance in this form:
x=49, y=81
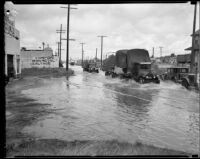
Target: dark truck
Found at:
x=135, y=64
x=90, y=67
x=109, y=65
x=180, y=74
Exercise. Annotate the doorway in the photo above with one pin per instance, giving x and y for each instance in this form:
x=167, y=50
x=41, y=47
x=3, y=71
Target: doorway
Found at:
x=10, y=65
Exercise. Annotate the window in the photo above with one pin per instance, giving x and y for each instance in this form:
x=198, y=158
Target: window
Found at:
x=184, y=70
x=145, y=66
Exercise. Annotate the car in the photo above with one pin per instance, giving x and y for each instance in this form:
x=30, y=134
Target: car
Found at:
x=176, y=73
x=94, y=69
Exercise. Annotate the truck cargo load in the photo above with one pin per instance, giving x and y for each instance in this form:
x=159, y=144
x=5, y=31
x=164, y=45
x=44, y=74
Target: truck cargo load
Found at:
x=137, y=56
x=109, y=63
x=121, y=58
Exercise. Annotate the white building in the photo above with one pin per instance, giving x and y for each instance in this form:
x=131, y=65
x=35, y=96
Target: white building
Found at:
x=12, y=42
x=38, y=58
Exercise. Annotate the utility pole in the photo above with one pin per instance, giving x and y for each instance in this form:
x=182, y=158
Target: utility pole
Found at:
x=193, y=39
x=96, y=54
x=101, y=47
x=43, y=45
x=60, y=32
x=198, y=75
x=160, y=50
x=153, y=53
x=67, y=49
x=82, y=53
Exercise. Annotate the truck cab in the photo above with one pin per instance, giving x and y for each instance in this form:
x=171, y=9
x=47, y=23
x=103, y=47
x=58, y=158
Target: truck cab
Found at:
x=143, y=74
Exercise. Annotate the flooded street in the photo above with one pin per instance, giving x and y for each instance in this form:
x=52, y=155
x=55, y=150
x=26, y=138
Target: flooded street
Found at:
x=92, y=106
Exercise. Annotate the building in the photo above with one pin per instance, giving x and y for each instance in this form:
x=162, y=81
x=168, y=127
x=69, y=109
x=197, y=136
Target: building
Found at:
x=194, y=56
x=171, y=59
x=194, y=66
x=184, y=60
x=38, y=58
x=12, y=42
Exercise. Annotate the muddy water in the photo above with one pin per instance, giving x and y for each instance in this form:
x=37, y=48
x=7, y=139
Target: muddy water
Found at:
x=95, y=107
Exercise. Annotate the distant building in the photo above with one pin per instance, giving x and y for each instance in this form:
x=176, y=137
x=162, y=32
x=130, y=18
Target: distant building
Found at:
x=171, y=59
x=12, y=42
x=38, y=58
x=184, y=59
x=194, y=56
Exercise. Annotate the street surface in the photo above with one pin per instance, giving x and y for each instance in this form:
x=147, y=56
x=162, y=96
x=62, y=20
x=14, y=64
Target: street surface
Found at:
x=91, y=106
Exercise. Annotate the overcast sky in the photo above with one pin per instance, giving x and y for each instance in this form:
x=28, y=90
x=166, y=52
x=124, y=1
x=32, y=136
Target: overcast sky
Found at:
x=126, y=25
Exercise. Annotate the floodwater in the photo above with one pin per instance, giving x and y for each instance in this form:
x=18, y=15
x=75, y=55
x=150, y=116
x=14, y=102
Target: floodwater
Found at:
x=91, y=106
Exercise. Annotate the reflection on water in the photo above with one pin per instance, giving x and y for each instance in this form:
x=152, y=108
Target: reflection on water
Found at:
x=90, y=106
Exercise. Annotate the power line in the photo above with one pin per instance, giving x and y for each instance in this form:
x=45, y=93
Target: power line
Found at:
x=101, y=36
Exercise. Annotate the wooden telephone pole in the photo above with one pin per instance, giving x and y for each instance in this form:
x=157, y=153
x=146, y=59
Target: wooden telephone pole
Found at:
x=102, y=36
x=193, y=39
x=67, y=49
x=60, y=48
x=82, y=53
x=198, y=75
x=153, y=53
x=96, y=54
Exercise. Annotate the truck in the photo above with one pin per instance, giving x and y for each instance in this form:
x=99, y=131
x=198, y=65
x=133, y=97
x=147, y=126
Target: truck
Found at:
x=134, y=64
x=108, y=65
x=180, y=74
x=90, y=67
